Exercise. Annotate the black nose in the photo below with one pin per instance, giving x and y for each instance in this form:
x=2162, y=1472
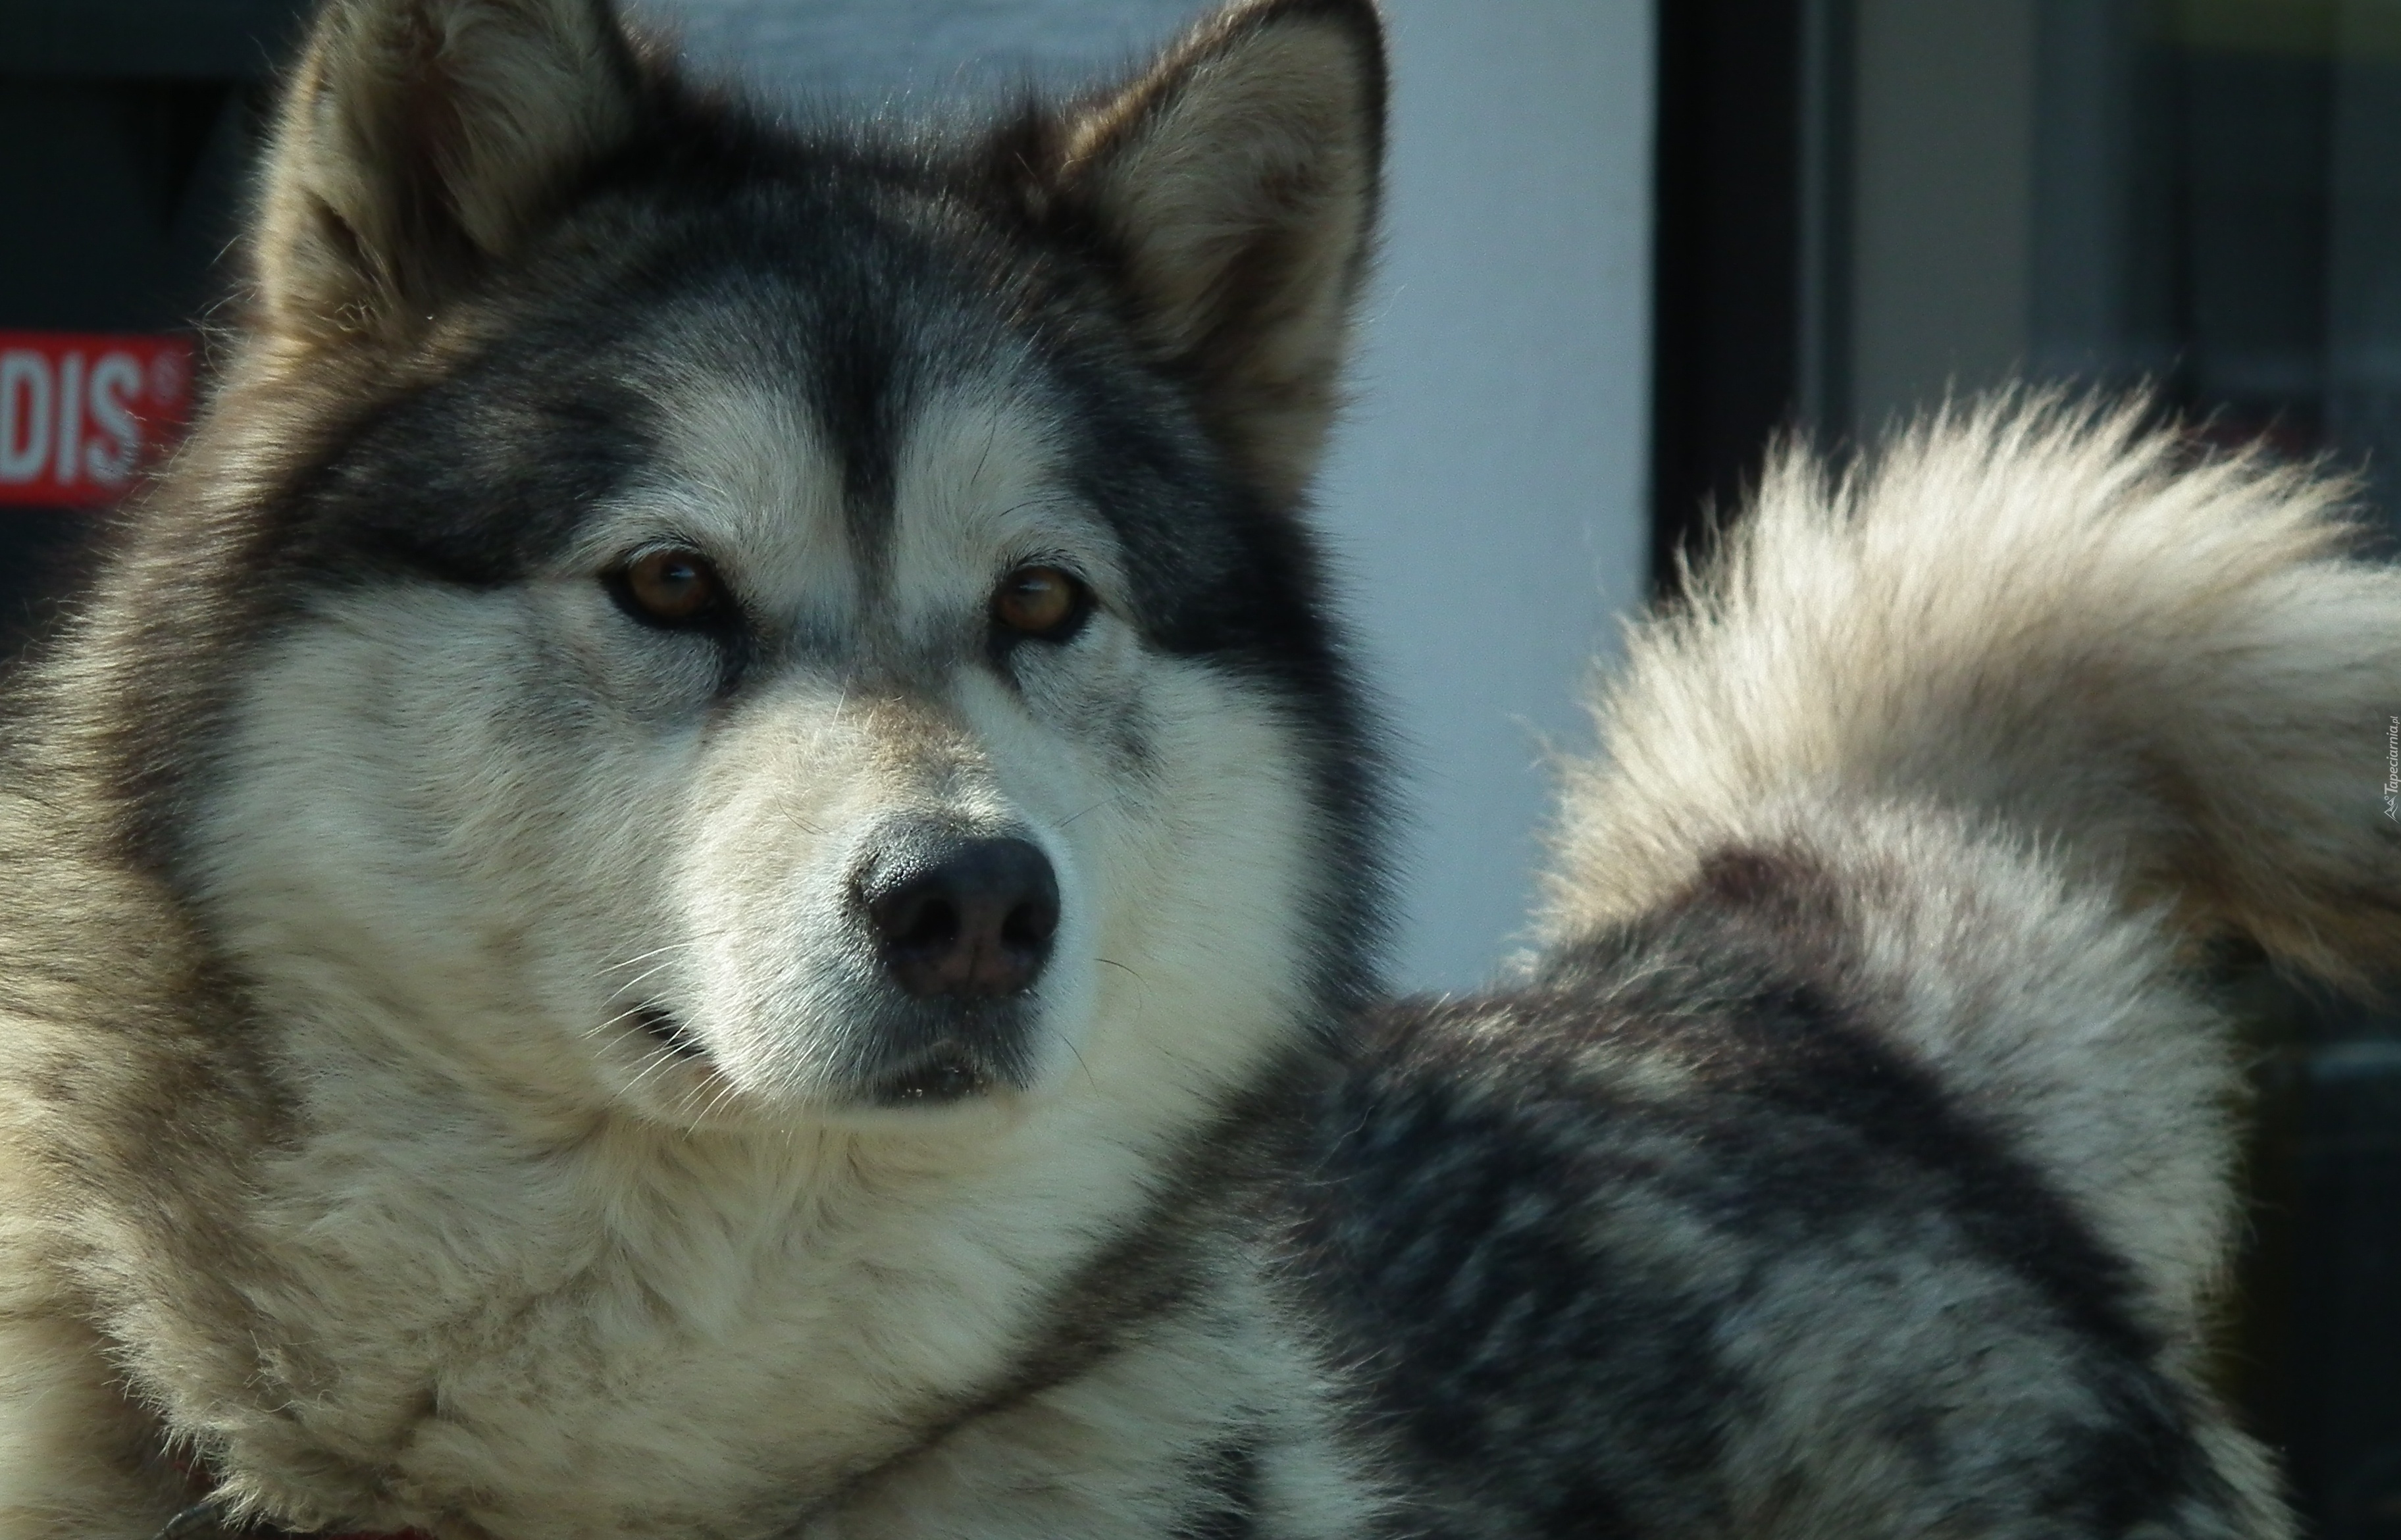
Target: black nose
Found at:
x=970, y=919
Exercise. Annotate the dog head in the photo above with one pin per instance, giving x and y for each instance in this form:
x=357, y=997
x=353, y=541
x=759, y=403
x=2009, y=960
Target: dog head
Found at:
x=675, y=613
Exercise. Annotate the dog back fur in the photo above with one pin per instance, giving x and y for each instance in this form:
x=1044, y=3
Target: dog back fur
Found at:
x=1988, y=745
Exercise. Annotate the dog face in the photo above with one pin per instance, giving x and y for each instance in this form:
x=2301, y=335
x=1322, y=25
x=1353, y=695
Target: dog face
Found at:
x=744, y=626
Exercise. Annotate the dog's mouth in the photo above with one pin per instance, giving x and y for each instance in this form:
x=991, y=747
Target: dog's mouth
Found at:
x=660, y=1024
x=944, y=1075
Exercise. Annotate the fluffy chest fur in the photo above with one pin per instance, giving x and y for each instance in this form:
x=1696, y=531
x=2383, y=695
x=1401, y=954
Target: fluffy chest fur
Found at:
x=629, y=1330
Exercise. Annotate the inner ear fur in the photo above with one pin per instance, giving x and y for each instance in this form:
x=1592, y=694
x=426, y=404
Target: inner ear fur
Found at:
x=420, y=140
x=1237, y=184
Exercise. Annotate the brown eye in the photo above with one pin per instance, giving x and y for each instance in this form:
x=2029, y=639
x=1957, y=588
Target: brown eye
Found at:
x=671, y=587
x=1042, y=602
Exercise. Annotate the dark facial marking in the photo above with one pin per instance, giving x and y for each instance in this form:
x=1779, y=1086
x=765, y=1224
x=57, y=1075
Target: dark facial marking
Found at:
x=660, y=1023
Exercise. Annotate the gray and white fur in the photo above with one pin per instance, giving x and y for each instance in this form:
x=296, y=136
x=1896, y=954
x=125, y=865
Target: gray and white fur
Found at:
x=1858, y=1157
x=707, y=866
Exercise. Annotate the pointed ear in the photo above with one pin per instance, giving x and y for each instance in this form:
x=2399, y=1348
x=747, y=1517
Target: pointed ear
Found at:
x=1236, y=183
x=422, y=140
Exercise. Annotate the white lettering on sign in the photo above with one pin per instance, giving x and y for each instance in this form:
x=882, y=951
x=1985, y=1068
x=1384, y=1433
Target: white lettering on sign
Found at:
x=24, y=413
x=116, y=381
x=80, y=414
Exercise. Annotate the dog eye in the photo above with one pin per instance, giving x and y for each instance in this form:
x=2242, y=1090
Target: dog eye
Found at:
x=1041, y=602
x=671, y=587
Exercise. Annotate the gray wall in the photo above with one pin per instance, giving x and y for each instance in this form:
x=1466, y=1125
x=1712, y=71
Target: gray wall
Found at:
x=1942, y=233
x=1492, y=494
x=1486, y=501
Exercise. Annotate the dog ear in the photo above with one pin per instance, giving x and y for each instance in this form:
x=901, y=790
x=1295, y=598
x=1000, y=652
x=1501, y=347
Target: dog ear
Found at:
x=1236, y=183
x=422, y=140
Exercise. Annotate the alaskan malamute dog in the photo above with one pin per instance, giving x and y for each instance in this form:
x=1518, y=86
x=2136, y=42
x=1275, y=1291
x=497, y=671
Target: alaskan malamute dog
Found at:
x=706, y=870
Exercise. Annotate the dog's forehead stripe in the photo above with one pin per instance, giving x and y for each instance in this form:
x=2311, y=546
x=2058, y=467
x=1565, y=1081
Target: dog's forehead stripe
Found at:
x=870, y=310
x=744, y=472
x=858, y=382
x=983, y=483
x=862, y=463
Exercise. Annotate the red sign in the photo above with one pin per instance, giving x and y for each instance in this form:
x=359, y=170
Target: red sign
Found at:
x=80, y=414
